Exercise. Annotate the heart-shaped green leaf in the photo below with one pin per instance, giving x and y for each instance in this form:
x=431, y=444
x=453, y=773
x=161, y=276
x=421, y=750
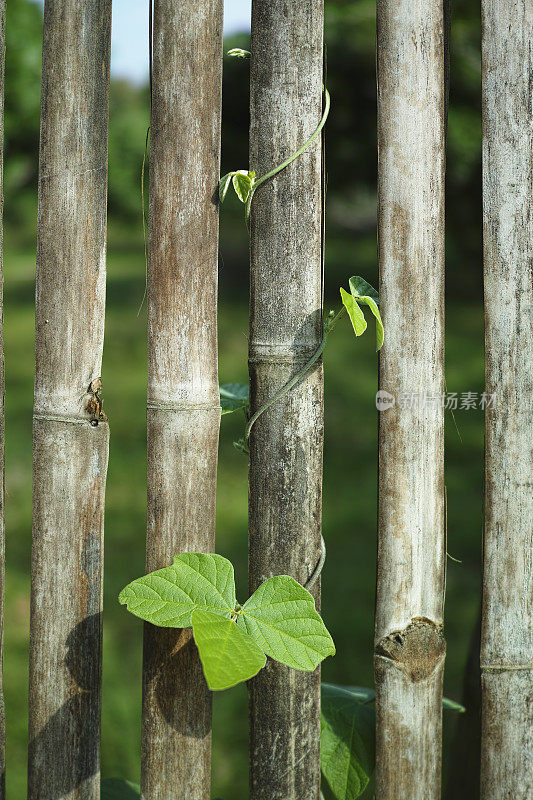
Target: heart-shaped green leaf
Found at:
x=346, y=742
x=363, y=292
x=243, y=182
x=281, y=617
x=357, y=318
x=229, y=655
x=167, y=597
x=198, y=590
x=234, y=396
x=223, y=185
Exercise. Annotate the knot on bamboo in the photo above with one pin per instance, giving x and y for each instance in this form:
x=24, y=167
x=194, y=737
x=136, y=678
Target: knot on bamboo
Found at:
x=93, y=402
x=417, y=650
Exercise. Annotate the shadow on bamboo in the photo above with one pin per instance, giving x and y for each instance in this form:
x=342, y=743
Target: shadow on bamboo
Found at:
x=69, y=735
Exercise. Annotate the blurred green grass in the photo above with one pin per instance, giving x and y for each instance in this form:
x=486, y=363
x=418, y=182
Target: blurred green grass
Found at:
x=350, y=470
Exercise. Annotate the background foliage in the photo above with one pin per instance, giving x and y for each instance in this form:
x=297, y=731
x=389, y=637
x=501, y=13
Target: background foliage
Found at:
x=351, y=424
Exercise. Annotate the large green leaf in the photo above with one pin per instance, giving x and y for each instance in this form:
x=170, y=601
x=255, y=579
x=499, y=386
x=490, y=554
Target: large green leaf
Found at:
x=363, y=292
x=346, y=742
x=234, y=396
x=167, y=597
x=281, y=617
x=229, y=655
x=198, y=590
x=118, y=789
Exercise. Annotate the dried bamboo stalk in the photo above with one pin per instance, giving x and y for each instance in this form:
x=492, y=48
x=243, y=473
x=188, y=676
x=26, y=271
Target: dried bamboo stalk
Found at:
x=409, y=645
x=183, y=394
x=507, y=626
x=285, y=491
x=2, y=418
x=70, y=454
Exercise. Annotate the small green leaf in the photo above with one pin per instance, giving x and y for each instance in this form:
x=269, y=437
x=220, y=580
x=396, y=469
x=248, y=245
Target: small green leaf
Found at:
x=452, y=705
x=361, y=288
x=223, y=186
x=363, y=292
x=281, y=617
x=357, y=317
x=167, y=597
x=243, y=182
x=118, y=789
x=228, y=654
x=238, y=52
x=234, y=396
x=346, y=742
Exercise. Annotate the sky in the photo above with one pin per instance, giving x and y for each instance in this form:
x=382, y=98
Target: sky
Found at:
x=129, y=34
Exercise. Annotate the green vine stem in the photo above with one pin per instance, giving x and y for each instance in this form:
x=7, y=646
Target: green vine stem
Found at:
x=312, y=138
x=329, y=324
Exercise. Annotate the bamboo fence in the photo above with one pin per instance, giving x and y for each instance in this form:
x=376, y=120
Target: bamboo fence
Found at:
x=409, y=643
x=71, y=433
x=183, y=406
x=285, y=480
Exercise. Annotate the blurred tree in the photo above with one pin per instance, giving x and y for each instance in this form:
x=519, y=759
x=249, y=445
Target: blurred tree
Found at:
x=22, y=104
x=129, y=117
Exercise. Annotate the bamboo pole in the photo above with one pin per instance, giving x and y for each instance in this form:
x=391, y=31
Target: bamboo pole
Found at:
x=507, y=623
x=183, y=394
x=2, y=418
x=70, y=453
x=285, y=482
x=409, y=645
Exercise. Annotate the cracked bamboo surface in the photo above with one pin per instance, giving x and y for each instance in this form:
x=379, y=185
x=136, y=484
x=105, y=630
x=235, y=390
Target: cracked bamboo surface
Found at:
x=2, y=418
x=507, y=623
x=183, y=397
x=285, y=480
x=70, y=455
x=409, y=645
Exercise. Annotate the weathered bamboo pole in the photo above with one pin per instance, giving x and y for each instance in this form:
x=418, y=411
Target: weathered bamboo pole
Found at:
x=285, y=494
x=2, y=419
x=507, y=622
x=70, y=453
x=183, y=394
x=409, y=645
